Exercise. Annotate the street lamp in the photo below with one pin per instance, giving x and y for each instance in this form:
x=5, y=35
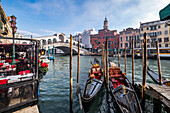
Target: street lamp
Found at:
x=14, y=29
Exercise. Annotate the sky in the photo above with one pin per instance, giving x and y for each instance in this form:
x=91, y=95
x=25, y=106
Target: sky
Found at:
x=47, y=17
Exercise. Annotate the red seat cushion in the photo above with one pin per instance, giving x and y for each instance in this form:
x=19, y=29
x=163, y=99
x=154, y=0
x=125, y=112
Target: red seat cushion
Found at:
x=12, y=66
x=5, y=81
x=27, y=71
x=1, y=64
x=21, y=72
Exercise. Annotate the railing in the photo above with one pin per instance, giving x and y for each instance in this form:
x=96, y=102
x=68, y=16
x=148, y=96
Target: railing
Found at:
x=14, y=95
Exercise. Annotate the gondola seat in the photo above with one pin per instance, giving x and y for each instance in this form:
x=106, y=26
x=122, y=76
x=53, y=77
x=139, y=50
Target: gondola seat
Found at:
x=116, y=83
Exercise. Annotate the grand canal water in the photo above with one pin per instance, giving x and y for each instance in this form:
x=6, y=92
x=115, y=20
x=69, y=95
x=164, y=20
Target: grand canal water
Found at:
x=54, y=87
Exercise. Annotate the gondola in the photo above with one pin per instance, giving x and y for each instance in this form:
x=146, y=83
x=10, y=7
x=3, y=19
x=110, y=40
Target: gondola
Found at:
x=92, y=88
x=155, y=77
x=124, y=95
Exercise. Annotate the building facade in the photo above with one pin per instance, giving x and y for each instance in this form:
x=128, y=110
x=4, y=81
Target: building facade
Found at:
x=126, y=38
x=86, y=38
x=5, y=26
x=155, y=30
x=77, y=37
x=98, y=39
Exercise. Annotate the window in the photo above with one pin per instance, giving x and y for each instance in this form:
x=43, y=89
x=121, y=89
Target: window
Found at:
x=130, y=45
x=159, y=39
x=166, y=45
x=138, y=37
x=142, y=41
x=130, y=38
x=166, y=39
x=159, y=26
x=160, y=45
x=148, y=46
x=147, y=28
x=126, y=38
x=148, y=40
x=165, y=25
x=126, y=44
x=141, y=29
x=120, y=44
x=153, y=34
x=166, y=32
x=159, y=32
x=152, y=27
x=135, y=37
x=141, y=35
x=137, y=31
x=120, y=38
x=147, y=34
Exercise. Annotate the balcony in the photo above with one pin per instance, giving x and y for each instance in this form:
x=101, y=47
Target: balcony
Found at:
x=4, y=30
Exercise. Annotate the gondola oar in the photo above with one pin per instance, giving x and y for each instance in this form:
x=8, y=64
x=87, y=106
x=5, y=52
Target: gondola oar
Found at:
x=79, y=96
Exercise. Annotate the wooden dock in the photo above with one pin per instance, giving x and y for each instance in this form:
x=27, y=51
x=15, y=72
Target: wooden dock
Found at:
x=30, y=109
x=159, y=93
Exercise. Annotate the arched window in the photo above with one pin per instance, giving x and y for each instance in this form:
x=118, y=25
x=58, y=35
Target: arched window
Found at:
x=66, y=41
x=54, y=40
x=49, y=41
x=74, y=43
x=61, y=37
x=44, y=42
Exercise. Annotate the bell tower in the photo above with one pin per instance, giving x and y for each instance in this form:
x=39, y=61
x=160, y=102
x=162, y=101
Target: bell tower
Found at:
x=105, y=27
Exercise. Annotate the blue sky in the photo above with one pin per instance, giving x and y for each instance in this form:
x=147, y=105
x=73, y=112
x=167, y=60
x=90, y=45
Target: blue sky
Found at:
x=47, y=17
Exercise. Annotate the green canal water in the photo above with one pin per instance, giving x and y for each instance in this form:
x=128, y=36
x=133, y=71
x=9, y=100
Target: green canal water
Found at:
x=54, y=87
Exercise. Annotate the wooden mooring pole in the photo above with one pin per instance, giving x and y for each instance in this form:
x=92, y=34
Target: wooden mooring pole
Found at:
x=144, y=73
x=142, y=55
x=125, y=59
x=133, y=61
x=71, y=75
x=78, y=61
x=159, y=64
x=107, y=72
x=107, y=68
x=103, y=61
x=118, y=58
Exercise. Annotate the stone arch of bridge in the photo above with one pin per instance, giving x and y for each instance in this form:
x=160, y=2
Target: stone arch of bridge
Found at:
x=61, y=38
x=66, y=50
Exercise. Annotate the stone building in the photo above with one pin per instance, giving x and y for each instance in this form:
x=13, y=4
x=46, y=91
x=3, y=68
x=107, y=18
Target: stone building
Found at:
x=126, y=38
x=98, y=39
x=155, y=30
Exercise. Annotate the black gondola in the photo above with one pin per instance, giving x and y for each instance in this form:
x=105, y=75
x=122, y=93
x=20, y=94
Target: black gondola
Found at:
x=124, y=95
x=155, y=77
x=92, y=88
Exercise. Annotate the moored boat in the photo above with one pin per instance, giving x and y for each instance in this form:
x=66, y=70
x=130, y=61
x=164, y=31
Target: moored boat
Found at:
x=155, y=77
x=44, y=59
x=93, y=86
x=123, y=93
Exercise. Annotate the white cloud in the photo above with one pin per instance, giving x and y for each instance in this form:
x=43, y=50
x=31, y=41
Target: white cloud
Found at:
x=48, y=31
x=28, y=33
